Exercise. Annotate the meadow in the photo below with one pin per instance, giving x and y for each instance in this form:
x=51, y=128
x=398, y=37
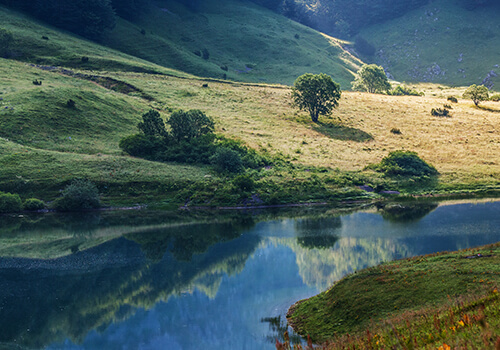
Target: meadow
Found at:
x=39, y=128
x=90, y=96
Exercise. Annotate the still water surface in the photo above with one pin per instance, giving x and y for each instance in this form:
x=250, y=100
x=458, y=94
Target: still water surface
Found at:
x=149, y=280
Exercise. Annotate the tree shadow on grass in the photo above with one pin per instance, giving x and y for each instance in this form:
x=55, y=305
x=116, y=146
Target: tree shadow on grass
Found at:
x=340, y=132
x=489, y=109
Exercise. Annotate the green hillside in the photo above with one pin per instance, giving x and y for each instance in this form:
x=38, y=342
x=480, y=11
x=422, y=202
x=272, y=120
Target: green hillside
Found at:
x=441, y=43
x=65, y=103
x=243, y=42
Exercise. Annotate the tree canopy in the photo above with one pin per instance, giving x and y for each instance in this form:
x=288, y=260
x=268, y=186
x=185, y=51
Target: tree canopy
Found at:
x=476, y=93
x=190, y=124
x=371, y=78
x=316, y=93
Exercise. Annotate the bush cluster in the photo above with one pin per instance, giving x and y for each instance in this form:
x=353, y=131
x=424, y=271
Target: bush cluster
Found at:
x=405, y=163
x=495, y=98
x=10, y=203
x=191, y=139
x=402, y=90
x=440, y=112
x=80, y=194
x=452, y=99
x=33, y=204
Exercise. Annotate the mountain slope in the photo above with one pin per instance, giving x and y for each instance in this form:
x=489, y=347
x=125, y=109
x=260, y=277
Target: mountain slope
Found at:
x=442, y=43
x=231, y=39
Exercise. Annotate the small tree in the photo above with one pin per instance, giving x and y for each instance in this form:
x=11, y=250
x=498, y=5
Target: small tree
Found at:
x=371, y=78
x=476, y=93
x=152, y=124
x=316, y=93
x=191, y=124
x=79, y=194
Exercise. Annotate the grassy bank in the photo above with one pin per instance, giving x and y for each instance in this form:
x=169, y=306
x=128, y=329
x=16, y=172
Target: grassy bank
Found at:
x=444, y=299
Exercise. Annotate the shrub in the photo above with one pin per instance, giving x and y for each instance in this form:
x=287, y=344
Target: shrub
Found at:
x=401, y=90
x=405, y=163
x=139, y=145
x=495, y=98
x=452, y=99
x=250, y=158
x=198, y=150
x=10, y=203
x=440, y=112
x=396, y=131
x=227, y=160
x=71, y=103
x=80, y=194
x=33, y=204
x=244, y=182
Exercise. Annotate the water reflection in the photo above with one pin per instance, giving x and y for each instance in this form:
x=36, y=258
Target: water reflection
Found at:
x=143, y=280
x=317, y=232
x=405, y=212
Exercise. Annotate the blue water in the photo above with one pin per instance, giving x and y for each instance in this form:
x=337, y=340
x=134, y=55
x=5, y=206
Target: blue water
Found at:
x=172, y=283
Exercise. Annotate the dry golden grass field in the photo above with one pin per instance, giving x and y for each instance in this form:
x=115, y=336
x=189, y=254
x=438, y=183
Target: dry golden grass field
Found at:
x=464, y=147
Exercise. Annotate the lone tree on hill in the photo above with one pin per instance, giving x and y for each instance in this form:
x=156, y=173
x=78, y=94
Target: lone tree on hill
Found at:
x=476, y=93
x=371, y=78
x=316, y=93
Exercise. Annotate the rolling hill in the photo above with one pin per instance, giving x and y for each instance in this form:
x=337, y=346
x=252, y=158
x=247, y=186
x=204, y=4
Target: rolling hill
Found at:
x=87, y=97
x=441, y=43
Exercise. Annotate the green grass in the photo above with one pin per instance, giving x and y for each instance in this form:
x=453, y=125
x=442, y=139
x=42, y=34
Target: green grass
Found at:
x=464, y=44
x=410, y=290
x=45, y=142
x=254, y=44
x=121, y=179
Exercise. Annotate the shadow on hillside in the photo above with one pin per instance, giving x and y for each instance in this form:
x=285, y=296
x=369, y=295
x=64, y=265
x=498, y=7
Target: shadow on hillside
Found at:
x=489, y=109
x=340, y=132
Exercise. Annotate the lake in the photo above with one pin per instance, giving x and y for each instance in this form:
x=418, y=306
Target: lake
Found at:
x=140, y=279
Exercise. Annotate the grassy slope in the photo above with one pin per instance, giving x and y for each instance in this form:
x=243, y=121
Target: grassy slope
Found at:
x=238, y=35
x=424, y=300
x=464, y=44
x=39, y=129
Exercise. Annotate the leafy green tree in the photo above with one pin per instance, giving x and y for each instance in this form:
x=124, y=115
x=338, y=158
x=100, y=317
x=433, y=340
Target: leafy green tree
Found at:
x=152, y=124
x=476, y=93
x=371, y=78
x=316, y=93
x=186, y=125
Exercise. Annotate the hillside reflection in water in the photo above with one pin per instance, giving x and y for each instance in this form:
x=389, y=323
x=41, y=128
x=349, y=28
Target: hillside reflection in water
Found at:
x=144, y=280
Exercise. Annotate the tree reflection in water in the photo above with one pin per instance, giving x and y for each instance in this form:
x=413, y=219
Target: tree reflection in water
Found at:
x=317, y=233
x=47, y=301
